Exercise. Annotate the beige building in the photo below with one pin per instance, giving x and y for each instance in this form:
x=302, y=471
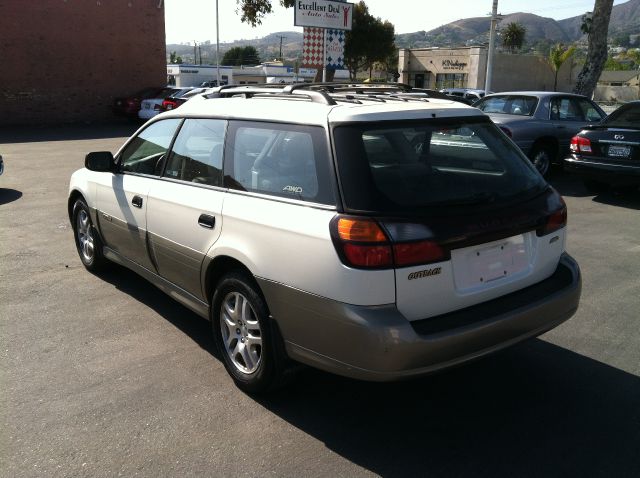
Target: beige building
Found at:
x=618, y=86
x=438, y=68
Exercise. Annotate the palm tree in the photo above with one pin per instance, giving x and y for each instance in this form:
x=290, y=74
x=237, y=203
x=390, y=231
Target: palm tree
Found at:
x=513, y=36
x=557, y=56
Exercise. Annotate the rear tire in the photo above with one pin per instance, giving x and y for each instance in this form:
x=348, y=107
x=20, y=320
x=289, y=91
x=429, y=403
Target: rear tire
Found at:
x=244, y=336
x=542, y=156
x=88, y=243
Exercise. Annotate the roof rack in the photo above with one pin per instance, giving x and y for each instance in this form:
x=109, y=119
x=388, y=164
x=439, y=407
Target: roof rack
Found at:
x=329, y=93
x=249, y=91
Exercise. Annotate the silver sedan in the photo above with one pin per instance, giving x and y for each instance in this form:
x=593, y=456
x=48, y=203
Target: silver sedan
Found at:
x=541, y=123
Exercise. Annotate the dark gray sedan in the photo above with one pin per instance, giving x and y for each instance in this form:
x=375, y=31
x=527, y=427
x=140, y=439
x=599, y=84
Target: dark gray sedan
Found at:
x=541, y=123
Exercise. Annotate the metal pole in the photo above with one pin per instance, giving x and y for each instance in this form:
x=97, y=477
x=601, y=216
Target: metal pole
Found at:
x=492, y=40
x=324, y=55
x=217, y=46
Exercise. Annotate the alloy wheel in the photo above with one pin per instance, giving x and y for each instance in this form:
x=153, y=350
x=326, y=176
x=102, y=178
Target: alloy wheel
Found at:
x=241, y=333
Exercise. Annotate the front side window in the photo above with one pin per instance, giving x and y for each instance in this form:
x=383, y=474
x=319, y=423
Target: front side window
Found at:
x=569, y=109
x=197, y=152
x=407, y=168
x=290, y=161
x=589, y=111
x=145, y=153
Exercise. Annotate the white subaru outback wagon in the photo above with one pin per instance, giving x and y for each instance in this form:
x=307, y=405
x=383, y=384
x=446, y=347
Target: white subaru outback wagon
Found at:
x=369, y=231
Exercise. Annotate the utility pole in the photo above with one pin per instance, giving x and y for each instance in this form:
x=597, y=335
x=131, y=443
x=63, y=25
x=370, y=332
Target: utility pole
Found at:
x=195, y=52
x=217, y=46
x=282, y=37
x=492, y=41
x=200, y=53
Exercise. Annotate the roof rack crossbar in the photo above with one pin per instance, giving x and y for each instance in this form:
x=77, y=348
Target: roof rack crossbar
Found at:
x=226, y=91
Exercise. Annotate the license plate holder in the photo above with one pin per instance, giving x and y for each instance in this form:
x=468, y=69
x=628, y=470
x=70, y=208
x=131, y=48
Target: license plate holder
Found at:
x=616, y=151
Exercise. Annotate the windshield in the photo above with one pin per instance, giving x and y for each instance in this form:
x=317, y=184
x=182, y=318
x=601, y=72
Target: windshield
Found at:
x=509, y=104
x=627, y=116
x=404, y=168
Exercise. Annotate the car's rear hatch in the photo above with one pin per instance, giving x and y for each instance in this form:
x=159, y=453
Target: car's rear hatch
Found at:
x=465, y=216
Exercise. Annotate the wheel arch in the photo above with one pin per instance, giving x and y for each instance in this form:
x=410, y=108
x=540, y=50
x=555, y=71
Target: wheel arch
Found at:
x=542, y=141
x=218, y=267
x=74, y=195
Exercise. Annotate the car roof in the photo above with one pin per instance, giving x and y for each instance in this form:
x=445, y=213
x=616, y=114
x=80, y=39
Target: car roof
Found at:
x=318, y=104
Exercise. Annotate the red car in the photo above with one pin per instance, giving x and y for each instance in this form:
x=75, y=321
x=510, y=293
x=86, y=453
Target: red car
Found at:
x=130, y=105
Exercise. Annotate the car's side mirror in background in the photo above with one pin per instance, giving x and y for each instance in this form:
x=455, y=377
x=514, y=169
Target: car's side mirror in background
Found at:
x=101, y=161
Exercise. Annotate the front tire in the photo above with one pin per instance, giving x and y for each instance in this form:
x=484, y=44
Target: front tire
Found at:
x=88, y=243
x=244, y=336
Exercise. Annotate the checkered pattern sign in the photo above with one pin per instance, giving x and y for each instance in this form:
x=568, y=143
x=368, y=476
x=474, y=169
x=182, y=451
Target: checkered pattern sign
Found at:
x=335, y=49
x=313, y=43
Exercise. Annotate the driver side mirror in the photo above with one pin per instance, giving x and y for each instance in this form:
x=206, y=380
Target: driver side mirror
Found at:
x=101, y=161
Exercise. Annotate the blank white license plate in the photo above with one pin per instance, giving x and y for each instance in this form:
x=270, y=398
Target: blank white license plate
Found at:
x=619, y=151
x=478, y=266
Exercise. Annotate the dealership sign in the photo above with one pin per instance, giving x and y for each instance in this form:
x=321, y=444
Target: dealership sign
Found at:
x=323, y=14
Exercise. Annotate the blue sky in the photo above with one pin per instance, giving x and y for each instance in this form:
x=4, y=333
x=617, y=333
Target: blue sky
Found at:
x=189, y=20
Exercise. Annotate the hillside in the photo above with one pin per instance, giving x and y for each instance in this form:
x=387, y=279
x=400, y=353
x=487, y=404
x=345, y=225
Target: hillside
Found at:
x=625, y=19
x=268, y=47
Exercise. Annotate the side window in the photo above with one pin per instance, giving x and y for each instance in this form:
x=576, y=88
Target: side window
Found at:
x=282, y=160
x=196, y=155
x=589, y=111
x=145, y=153
x=565, y=109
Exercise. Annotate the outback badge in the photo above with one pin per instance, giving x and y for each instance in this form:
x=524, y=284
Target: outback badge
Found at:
x=425, y=273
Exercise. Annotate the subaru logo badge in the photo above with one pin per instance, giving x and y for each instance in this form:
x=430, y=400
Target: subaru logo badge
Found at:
x=619, y=136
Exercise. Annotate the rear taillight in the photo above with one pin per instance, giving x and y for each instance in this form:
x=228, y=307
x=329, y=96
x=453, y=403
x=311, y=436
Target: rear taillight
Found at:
x=169, y=105
x=366, y=244
x=580, y=144
x=554, y=221
x=506, y=131
x=422, y=252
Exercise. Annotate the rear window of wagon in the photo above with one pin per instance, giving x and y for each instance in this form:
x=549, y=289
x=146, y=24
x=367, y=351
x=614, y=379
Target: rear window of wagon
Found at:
x=408, y=168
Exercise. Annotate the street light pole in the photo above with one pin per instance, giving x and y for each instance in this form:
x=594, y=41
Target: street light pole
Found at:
x=492, y=41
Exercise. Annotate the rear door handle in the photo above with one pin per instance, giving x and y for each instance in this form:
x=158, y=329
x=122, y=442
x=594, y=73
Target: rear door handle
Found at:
x=205, y=220
x=136, y=201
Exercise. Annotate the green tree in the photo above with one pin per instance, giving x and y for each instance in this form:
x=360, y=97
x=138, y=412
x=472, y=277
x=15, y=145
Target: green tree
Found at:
x=616, y=65
x=557, y=56
x=241, y=55
x=371, y=40
x=253, y=11
x=597, y=31
x=175, y=58
x=513, y=36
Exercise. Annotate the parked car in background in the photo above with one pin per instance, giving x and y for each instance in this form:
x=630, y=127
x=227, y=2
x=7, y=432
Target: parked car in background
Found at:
x=364, y=230
x=608, y=154
x=153, y=106
x=470, y=94
x=130, y=105
x=541, y=123
x=212, y=83
x=172, y=102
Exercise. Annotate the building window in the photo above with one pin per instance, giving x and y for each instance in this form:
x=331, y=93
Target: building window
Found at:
x=451, y=80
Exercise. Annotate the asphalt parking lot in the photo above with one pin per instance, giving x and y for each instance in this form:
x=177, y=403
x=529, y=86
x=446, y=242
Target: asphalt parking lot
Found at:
x=104, y=375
